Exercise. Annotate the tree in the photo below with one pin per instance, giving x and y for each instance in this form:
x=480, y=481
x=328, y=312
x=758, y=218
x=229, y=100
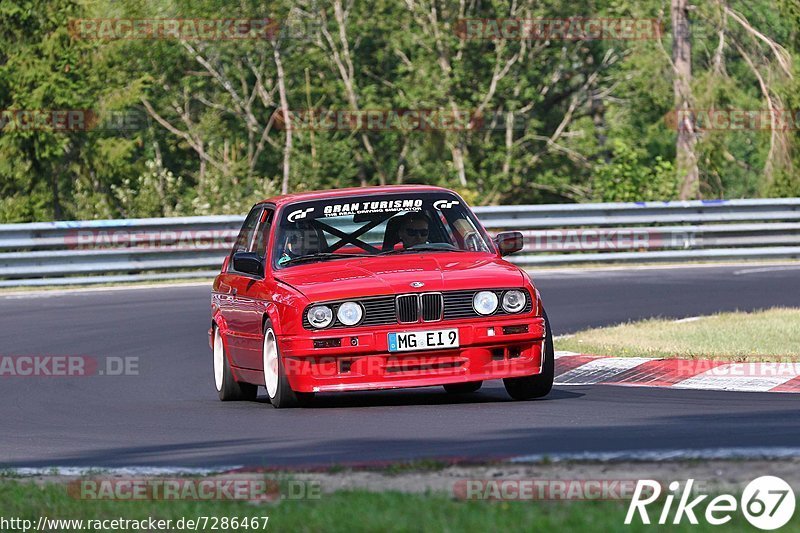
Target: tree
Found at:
x=762, y=55
x=686, y=158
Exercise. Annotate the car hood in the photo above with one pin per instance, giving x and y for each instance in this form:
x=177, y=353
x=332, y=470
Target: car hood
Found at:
x=361, y=277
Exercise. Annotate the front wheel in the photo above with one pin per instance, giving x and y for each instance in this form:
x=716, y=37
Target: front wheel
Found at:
x=539, y=385
x=279, y=391
x=227, y=387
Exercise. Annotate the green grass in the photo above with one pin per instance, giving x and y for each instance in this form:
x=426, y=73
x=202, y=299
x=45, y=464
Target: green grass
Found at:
x=353, y=511
x=770, y=335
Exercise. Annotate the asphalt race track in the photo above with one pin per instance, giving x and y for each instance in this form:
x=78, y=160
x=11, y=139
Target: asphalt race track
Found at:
x=168, y=414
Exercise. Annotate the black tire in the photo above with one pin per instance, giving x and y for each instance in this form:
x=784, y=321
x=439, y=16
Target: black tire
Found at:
x=538, y=385
x=463, y=388
x=285, y=397
x=233, y=390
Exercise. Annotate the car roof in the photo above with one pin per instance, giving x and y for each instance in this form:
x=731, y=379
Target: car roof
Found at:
x=349, y=191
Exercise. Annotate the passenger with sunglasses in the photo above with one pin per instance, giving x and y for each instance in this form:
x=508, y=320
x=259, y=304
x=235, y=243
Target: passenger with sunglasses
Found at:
x=414, y=230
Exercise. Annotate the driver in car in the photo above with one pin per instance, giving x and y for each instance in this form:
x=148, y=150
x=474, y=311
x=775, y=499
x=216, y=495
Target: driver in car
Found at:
x=414, y=230
x=301, y=240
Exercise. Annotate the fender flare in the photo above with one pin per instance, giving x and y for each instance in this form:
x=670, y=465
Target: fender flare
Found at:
x=219, y=321
x=272, y=313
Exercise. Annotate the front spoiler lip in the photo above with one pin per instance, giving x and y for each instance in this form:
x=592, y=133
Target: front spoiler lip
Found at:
x=416, y=383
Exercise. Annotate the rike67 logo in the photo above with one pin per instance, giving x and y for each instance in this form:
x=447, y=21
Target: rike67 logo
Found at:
x=767, y=502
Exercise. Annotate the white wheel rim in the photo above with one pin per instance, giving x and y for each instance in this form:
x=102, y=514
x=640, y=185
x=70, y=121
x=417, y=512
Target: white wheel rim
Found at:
x=270, y=363
x=219, y=361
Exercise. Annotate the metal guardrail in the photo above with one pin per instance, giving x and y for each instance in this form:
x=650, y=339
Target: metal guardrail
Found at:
x=104, y=251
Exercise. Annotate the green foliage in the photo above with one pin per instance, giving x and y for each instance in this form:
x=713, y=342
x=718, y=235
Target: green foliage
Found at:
x=628, y=177
x=156, y=193
x=560, y=120
x=784, y=185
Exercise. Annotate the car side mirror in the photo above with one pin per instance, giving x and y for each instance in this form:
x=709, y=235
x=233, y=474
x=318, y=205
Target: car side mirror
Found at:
x=509, y=242
x=248, y=263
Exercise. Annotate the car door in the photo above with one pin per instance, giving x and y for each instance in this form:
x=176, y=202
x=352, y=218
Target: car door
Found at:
x=251, y=296
x=230, y=283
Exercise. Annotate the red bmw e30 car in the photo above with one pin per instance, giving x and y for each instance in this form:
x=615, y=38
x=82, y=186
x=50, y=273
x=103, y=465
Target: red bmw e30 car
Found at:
x=374, y=288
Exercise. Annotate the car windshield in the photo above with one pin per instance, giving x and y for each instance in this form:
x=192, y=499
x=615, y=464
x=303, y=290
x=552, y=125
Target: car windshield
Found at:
x=371, y=225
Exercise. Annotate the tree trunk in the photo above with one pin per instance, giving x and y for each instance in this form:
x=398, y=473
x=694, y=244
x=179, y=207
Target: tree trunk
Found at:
x=597, y=109
x=58, y=213
x=54, y=173
x=287, y=148
x=686, y=158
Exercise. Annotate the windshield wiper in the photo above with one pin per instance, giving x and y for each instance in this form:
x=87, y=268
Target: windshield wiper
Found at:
x=322, y=256
x=421, y=248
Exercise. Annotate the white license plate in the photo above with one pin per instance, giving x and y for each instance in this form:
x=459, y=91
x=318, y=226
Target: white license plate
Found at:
x=423, y=340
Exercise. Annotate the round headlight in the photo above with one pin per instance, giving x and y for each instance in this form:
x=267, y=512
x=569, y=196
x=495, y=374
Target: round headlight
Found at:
x=485, y=302
x=320, y=316
x=350, y=313
x=514, y=301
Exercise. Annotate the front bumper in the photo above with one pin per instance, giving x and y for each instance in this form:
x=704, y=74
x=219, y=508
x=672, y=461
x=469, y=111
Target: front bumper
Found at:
x=363, y=360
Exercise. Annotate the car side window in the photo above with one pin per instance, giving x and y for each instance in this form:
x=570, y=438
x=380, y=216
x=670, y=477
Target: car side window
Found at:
x=245, y=237
x=262, y=233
